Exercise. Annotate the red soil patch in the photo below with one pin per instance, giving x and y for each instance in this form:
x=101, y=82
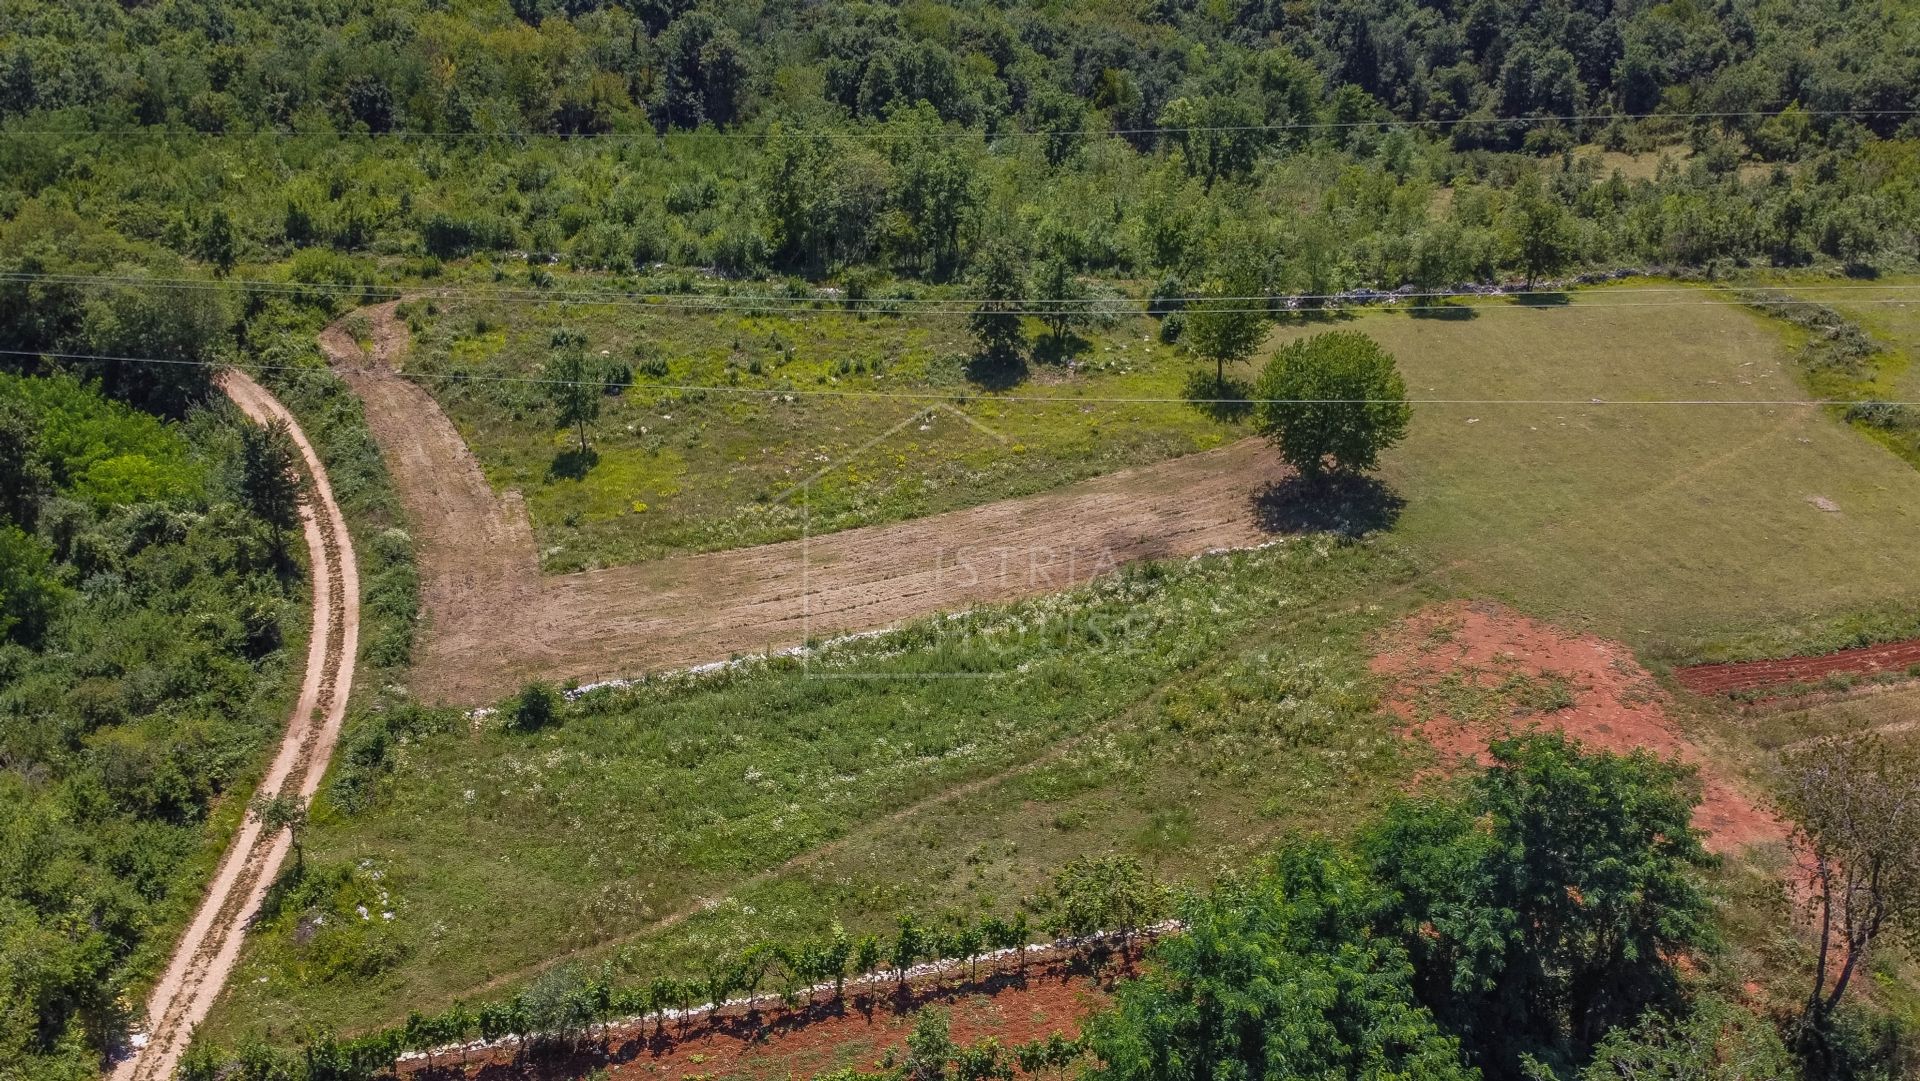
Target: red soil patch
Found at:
x=1466, y=673
x=1055, y=995
x=1891, y=658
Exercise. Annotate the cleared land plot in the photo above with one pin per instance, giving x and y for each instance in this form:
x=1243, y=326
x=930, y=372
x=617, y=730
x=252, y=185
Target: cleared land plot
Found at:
x=660, y=826
x=1679, y=529
x=676, y=471
x=493, y=621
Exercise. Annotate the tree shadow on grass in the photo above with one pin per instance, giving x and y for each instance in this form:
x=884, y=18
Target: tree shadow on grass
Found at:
x=1321, y=316
x=1048, y=349
x=1223, y=401
x=997, y=373
x=1545, y=299
x=573, y=464
x=1428, y=309
x=1351, y=505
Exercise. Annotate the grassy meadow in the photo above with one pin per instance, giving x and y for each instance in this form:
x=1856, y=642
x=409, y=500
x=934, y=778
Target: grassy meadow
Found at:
x=1183, y=713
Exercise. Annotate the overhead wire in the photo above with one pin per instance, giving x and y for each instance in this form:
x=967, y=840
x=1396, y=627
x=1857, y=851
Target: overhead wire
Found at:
x=952, y=395
x=881, y=136
x=1026, y=305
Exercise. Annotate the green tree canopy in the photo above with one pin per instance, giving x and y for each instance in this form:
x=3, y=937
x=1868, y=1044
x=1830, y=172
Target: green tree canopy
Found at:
x=270, y=474
x=1539, y=229
x=1276, y=975
x=575, y=384
x=1333, y=399
x=1543, y=907
x=1225, y=324
x=1000, y=283
x=1062, y=297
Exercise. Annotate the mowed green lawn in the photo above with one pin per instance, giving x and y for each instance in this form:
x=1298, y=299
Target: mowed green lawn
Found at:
x=1689, y=531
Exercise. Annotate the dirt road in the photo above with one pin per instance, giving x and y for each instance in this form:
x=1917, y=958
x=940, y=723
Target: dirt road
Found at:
x=492, y=621
x=206, y=953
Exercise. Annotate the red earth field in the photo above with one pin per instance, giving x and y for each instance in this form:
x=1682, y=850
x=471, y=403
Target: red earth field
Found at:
x=1465, y=651
x=1889, y=659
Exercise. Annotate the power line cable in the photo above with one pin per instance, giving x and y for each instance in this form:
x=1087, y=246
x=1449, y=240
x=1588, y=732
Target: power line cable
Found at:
x=947, y=396
x=948, y=305
x=881, y=136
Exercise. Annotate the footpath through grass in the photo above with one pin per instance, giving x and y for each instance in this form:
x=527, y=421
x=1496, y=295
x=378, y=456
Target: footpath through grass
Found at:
x=1180, y=713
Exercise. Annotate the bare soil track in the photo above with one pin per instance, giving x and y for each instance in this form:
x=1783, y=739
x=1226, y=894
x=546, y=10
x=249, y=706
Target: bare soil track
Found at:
x=206, y=954
x=492, y=621
x=1786, y=672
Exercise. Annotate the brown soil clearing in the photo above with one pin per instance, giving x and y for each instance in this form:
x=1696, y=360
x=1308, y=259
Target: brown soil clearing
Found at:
x=492, y=621
x=205, y=955
x=818, y=1037
x=1786, y=672
x=1465, y=673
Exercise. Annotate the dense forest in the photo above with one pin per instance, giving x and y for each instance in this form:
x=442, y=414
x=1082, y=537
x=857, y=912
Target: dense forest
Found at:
x=1354, y=144
x=309, y=150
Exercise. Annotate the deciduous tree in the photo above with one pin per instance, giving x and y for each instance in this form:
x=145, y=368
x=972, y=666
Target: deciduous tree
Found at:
x=1227, y=320
x=281, y=811
x=1334, y=400
x=1857, y=803
x=575, y=384
x=1000, y=283
x=1276, y=975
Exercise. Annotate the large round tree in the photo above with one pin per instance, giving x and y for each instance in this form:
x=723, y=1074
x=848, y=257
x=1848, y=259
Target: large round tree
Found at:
x=1332, y=402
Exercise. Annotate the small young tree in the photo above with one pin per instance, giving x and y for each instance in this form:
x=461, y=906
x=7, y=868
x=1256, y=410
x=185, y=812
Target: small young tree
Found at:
x=930, y=1047
x=1335, y=398
x=280, y=811
x=1000, y=283
x=663, y=994
x=908, y=945
x=1062, y=298
x=1106, y=893
x=461, y=1021
x=575, y=384
x=270, y=480
x=753, y=969
x=868, y=953
x=1226, y=322
x=834, y=955
x=1857, y=801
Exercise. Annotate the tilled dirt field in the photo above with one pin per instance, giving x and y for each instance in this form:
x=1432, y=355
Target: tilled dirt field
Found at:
x=1443, y=654
x=492, y=621
x=1889, y=659
x=206, y=954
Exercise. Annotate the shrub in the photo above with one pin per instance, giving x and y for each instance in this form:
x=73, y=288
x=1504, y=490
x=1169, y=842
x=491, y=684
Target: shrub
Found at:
x=535, y=707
